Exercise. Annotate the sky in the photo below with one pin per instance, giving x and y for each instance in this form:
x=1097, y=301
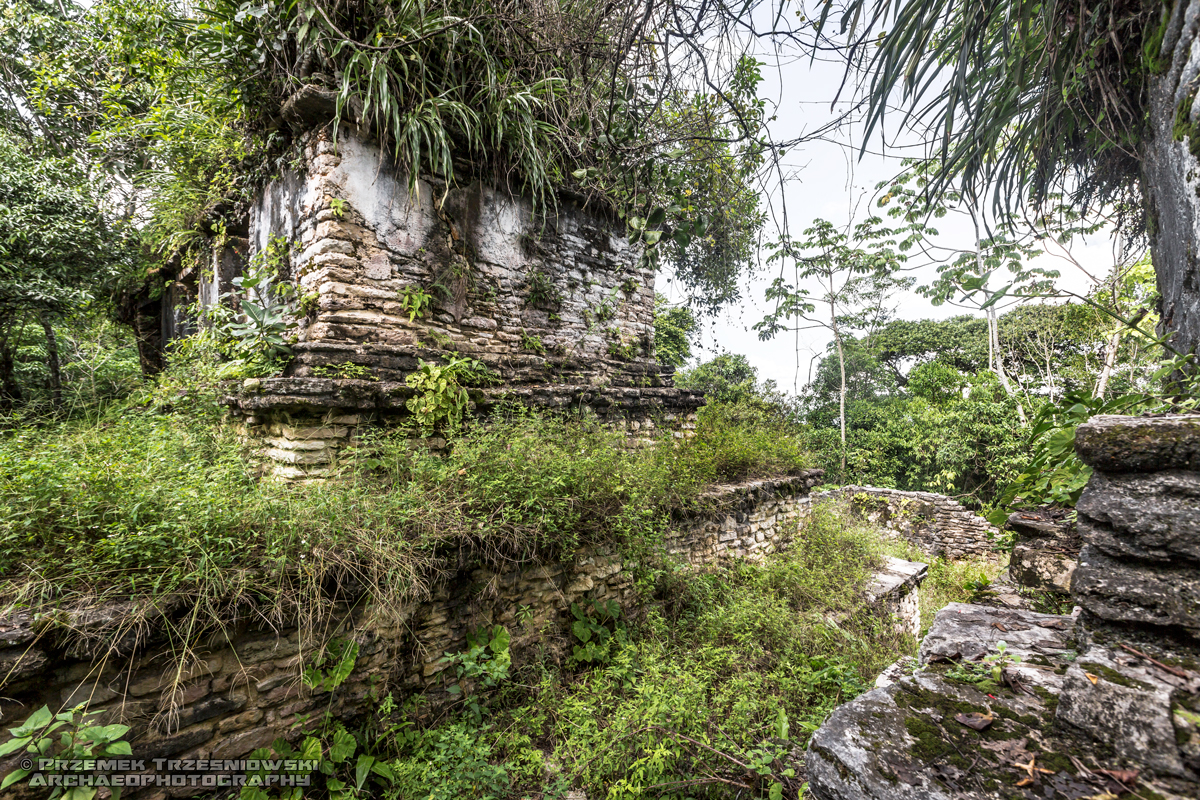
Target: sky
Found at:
x=829, y=180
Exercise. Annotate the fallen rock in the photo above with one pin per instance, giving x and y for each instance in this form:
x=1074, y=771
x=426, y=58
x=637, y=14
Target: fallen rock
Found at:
x=1045, y=551
x=1044, y=729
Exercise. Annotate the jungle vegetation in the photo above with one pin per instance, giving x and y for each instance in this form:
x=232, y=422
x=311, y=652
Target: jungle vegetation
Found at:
x=134, y=131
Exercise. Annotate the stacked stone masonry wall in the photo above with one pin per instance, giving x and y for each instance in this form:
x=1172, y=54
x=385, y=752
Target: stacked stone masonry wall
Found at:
x=535, y=292
x=243, y=690
x=937, y=524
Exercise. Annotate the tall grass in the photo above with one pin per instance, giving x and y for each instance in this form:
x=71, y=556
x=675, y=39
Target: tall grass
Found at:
x=731, y=667
x=145, y=505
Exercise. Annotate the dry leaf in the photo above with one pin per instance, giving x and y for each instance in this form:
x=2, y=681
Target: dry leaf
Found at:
x=1093, y=678
x=999, y=626
x=1128, y=777
x=975, y=720
x=1008, y=749
x=1024, y=781
x=1055, y=624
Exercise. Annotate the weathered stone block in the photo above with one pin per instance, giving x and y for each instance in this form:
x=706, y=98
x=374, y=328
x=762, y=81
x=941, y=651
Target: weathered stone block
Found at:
x=1153, y=516
x=1114, y=708
x=1140, y=444
x=1139, y=593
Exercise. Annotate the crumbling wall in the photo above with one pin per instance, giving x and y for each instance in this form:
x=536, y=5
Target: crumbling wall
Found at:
x=937, y=524
x=504, y=277
x=243, y=690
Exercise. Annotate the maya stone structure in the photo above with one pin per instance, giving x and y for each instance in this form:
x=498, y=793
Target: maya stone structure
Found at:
x=243, y=689
x=1100, y=704
x=937, y=524
x=553, y=300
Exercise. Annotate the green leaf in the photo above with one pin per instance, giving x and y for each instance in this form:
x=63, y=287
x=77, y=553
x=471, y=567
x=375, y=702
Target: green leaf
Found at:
x=13, y=777
x=362, y=769
x=500, y=640
x=343, y=746
x=36, y=721
x=13, y=745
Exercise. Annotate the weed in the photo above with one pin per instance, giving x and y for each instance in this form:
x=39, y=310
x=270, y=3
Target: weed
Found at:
x=77, y=739
x=338, y=206
x=532, y=343
x=442, y=395
x=540, y=291
x=347, y=370
x=598, y=631
x=309, y=303
x=479, y=668
x=415, y=301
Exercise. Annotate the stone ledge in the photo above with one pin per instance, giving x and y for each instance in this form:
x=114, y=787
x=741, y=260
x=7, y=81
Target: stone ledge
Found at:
x=322, y=394
x=1140, y=444
x=1070, y=719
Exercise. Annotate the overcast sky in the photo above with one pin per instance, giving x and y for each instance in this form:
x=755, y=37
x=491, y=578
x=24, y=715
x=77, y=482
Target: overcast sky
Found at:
x=828, y=180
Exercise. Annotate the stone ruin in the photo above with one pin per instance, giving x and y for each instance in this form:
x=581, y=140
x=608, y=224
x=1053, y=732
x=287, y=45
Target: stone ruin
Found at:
x=553, y=300
x=1101, y=703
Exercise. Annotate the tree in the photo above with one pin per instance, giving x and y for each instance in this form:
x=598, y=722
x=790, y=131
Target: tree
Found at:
x=1029, y=99
x=56, y=254
x=727, y=378
x=856, y=272
x=673, y=330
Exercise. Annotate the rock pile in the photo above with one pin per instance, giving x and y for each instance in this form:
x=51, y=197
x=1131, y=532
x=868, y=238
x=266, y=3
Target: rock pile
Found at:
x=1015, y=704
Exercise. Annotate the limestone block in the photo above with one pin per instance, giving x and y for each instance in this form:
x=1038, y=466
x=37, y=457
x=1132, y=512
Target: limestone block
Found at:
x=1153, y=516
x=1034, y=567
x=970, y=632
x=1140, y=444
x=298, y=456
x=166, y=746
x=1124, y=709
x=310, y=445
x=331, y=430
x=241, y=743
x=16, y=662
x=1140, y=593
x=239, y=721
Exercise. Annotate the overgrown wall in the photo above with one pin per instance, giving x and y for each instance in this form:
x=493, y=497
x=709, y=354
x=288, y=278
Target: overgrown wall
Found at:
x=935, y=523
x=242, y=690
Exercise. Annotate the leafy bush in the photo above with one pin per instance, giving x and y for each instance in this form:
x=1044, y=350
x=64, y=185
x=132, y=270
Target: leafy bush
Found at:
x=140, y=504
x=727, y=673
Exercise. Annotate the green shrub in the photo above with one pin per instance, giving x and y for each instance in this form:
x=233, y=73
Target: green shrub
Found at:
x=727, y=668
x=142, y=504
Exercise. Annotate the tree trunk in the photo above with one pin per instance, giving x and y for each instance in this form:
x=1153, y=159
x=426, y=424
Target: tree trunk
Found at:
x=1110, y=364
x=997, y=364
x=1171, y=181
x=52, y=361
x=10, y=390
x=837, y=338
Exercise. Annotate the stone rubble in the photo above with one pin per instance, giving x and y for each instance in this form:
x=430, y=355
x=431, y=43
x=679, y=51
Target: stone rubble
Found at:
x=1101, y=704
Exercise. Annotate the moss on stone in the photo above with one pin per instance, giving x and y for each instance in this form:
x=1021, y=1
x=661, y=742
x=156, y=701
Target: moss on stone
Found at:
x=1112, y=676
